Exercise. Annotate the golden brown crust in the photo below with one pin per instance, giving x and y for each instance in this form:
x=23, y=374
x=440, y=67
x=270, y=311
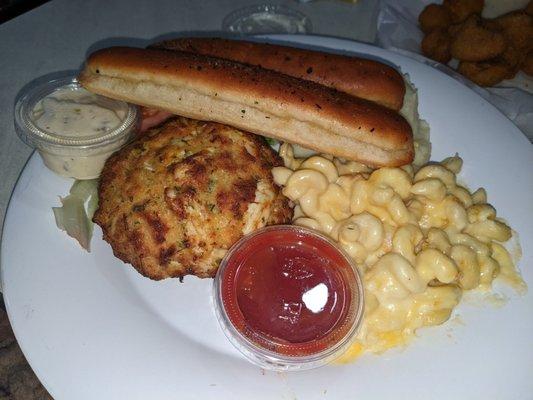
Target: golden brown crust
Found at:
x=527, y=64
x=172, y=202
x=367, y=79
x=460, y=10
x=484, y=73
x=474, y=42
x=517, y=27
x=434, y=16
x=254, y=99
x=513, y=58
x=436, y=45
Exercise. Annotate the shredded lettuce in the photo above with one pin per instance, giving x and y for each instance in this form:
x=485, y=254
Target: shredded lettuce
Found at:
x=77, y=210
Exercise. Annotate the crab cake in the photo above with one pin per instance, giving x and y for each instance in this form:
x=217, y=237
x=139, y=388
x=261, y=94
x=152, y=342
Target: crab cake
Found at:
x=173, y=201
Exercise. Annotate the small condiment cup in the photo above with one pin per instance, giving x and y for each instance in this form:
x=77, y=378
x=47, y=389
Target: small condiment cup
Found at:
x=72, y=156
x=240, y=275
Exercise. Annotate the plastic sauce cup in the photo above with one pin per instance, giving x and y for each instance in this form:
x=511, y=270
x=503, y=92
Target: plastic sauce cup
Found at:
x=288, y=298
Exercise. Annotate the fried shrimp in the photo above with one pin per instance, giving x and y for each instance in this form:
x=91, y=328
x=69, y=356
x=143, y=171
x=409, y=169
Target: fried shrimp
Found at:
x=487, y=73
x=517, y=27
x=513, y=58
x=527, y=64
x=474, y=42
x=436, y=45
x=460, y=10
x=488, y=50
x=434, y=16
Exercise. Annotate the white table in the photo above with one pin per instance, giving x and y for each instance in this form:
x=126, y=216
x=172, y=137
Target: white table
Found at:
x=58, y=35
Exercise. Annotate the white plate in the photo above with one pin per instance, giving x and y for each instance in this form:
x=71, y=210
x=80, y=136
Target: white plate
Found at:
x=93, y=328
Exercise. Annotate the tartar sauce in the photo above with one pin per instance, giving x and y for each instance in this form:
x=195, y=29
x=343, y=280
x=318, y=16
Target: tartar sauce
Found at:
x=74, y=130
x=68, y=112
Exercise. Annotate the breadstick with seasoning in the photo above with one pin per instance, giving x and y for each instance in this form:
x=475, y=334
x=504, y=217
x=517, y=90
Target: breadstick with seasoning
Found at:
x=253, y=99
x=360, y=77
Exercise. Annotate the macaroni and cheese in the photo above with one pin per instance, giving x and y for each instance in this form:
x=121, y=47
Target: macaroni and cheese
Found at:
x=419, y=238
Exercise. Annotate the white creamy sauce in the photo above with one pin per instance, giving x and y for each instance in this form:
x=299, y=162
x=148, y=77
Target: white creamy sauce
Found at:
x=77, y=113
x=77, y=167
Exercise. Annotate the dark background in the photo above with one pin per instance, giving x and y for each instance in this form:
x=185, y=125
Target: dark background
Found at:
x=11, y=8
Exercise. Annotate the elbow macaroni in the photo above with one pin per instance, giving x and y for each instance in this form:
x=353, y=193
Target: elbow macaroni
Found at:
x=418, y=237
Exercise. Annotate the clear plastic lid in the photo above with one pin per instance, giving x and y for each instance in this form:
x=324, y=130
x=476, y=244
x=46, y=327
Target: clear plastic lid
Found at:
x=267, y=18
x=28, y=129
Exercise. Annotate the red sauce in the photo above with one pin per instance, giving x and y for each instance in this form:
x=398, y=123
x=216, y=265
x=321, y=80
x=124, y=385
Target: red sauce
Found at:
x=290, y=291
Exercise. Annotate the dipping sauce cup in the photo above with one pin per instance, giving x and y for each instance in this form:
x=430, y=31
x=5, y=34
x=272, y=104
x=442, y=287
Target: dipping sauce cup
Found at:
x=75, y=131
x=288, y=298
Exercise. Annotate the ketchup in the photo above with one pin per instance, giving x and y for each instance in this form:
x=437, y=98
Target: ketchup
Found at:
x=289, y=291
